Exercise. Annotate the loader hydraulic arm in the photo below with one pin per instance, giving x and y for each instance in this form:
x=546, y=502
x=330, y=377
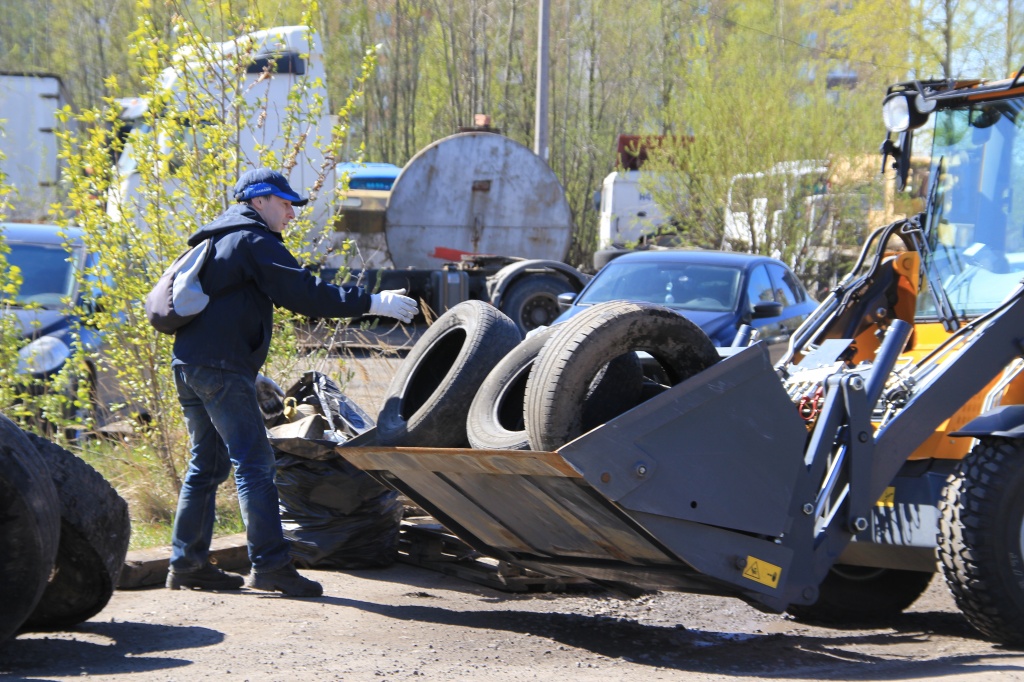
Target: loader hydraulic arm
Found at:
x=849, y=462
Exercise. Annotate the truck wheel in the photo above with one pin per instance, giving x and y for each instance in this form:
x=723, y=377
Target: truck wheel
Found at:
x=606, y=256
x=94, y=533
x=561, y=376
x=496, y=415
x=29, y=528
x=533, y=301
x=981, y=538
x=428, y=400
x=861, y=594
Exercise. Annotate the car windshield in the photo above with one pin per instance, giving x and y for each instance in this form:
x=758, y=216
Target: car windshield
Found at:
x=688, y=286
x=47, y=273
x=976, y=212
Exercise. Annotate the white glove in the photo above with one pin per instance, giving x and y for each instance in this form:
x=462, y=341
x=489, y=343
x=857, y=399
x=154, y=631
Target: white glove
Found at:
x=270, y=397
x=393, y=304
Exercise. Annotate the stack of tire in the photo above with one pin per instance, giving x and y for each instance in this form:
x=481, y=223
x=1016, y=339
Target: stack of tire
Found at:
x=63, y=535
x=472, y=380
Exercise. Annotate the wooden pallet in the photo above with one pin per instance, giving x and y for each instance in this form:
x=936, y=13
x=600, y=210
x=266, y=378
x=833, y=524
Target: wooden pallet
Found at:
x=424, y=542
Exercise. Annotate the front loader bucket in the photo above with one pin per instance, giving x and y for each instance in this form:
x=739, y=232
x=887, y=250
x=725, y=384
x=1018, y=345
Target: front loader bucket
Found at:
x=686, y=491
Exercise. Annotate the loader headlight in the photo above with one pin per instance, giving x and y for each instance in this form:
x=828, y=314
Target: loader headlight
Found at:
x=925, y=106
x=44, y=355
x=896, y=113
x=903, y=111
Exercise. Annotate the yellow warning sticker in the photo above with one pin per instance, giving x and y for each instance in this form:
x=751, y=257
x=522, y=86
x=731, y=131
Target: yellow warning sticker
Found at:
x=888, y=498
x=761, y=571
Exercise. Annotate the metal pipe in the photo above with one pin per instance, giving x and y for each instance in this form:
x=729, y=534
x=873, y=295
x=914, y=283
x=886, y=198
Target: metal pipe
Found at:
x=743, y=336
x=892, y=346
x=540, y=139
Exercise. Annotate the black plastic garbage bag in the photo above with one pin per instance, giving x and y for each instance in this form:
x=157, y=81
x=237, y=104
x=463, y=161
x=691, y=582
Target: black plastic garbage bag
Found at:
x=335, y=515
x=344, y=415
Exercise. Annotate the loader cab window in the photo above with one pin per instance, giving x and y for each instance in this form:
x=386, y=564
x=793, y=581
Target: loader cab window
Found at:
x=975, y=212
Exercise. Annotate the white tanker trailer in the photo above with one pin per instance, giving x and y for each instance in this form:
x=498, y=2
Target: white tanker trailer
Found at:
x=472, y=216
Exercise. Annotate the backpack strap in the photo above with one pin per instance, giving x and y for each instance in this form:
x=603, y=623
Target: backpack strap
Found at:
x=231, y=288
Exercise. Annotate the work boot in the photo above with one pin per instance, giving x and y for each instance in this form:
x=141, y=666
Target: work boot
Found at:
x=209, y=577
x=285, y=579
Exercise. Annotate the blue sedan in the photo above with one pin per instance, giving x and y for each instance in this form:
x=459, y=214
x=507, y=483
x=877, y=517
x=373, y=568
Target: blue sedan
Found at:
x=49, y=261
x=717, y=290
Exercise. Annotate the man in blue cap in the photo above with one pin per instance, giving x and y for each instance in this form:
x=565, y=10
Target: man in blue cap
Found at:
x=216, y=362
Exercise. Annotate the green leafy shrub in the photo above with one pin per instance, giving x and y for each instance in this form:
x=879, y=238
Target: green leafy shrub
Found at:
x=184, y=156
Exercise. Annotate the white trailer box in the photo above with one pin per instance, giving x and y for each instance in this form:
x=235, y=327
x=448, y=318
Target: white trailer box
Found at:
x=28, y=140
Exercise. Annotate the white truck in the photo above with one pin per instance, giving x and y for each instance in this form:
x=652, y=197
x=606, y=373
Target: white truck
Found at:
x=757, y=201
x=627, y=211
x=28, y=123
x=279, y=63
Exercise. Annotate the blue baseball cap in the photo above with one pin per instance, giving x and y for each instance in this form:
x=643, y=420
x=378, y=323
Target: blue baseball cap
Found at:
x=260, y=182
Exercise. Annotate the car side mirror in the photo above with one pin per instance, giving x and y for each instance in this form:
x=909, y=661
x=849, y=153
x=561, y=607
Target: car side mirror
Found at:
x=764, y=309
x=566, y=300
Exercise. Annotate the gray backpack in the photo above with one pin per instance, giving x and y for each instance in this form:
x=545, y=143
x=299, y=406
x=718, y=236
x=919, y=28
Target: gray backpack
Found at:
x=178, y=296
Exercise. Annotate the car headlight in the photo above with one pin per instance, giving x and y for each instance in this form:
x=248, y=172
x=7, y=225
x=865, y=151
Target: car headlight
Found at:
x=44, y=355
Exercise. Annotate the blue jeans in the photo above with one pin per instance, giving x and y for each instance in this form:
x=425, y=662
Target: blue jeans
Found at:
x=225, y=427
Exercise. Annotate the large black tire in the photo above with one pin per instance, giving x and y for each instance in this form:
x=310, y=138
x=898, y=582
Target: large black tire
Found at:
x=428, y=400
x=851, y=595
x=496, y=418
x=532, y=301
x=563, y=372
x=94, y=533
x=981, y=538
x=29, y=528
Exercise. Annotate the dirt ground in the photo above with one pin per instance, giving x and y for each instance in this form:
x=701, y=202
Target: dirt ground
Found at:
x=410, y=623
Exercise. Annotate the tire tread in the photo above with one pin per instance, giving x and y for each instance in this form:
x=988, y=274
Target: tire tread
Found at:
x=95, y=530
x=982, y=566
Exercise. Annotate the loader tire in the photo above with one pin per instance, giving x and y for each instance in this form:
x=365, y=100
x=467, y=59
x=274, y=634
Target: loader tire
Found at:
x=981, y=538
x=94, y=534
x=852, y=595
x=562, y=374
x=496, y=419
x=428, y=400
x=29, y=528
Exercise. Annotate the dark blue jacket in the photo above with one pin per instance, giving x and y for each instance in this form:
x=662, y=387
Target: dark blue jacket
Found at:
x=258, y=272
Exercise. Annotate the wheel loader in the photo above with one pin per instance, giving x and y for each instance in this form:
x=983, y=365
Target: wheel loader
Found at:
x=886, y=445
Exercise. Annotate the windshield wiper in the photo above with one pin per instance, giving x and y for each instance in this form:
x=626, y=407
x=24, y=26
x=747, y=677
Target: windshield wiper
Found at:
x=918, y=225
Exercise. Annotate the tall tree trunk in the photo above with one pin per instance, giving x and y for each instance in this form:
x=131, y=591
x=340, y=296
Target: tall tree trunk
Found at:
x=509, y=53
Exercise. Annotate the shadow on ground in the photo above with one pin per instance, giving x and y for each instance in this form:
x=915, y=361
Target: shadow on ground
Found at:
x=112, y=648
x=763, y=656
